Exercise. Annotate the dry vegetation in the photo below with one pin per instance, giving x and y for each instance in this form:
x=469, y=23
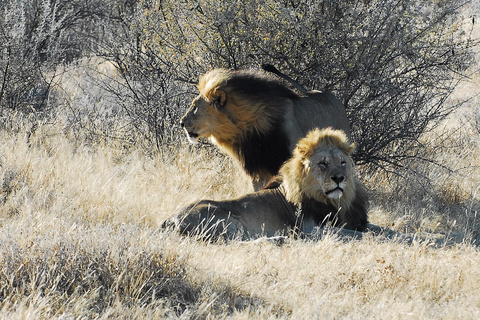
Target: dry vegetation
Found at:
x=80, y=234
x=80, y=238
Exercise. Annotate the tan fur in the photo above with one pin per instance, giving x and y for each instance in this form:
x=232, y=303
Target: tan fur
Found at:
x=243, y=110
x=299, y=201
x=247, y=115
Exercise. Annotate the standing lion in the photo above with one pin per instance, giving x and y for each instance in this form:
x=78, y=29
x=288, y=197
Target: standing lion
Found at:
x=255, y=118
x=318, y=185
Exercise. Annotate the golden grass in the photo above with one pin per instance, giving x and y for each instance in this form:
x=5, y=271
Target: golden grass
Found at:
x=80, y=238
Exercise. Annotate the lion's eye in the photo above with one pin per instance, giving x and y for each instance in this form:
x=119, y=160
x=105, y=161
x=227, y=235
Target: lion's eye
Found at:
x=343, y=163
x=323, y=164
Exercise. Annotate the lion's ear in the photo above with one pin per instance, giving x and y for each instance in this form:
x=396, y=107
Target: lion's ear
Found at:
x=219, y=98
x=304, y=151
x=350, y=149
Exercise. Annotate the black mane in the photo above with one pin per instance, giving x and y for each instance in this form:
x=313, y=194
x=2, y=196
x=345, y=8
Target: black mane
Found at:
x=264, y=152
x=259, y=87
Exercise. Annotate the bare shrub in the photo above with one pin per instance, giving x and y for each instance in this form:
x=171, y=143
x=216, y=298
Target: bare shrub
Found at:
x=37, y=36
x=392, y=63
x=441, y=196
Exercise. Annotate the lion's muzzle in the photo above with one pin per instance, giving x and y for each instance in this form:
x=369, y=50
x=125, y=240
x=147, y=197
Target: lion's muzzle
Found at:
x=336, y=193
x=192, y=136
x=339, y=186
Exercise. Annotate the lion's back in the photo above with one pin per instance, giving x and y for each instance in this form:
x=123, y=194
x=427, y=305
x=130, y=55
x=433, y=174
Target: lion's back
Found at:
x=317, y=109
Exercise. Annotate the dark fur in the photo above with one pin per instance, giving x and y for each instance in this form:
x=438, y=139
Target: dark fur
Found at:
x=272, y=69
x=248, y=83
x=355, y=217
x=264, y=153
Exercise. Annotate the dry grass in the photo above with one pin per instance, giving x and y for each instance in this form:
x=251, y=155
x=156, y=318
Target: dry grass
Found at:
x=80, y=238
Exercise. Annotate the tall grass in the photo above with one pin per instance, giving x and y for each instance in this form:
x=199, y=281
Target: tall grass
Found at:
x=80, y=238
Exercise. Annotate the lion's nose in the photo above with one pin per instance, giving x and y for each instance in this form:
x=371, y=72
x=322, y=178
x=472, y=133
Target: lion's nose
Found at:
x=338, y=179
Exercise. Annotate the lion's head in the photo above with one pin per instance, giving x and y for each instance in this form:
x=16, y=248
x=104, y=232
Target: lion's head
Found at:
x=321, y=169
x=204, y=118
x=231, y=105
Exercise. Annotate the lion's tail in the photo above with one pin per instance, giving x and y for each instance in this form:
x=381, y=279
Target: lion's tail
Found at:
x=272, y=69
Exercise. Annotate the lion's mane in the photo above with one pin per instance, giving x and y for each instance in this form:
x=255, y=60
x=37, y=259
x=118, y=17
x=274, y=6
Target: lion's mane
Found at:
x=253, y=132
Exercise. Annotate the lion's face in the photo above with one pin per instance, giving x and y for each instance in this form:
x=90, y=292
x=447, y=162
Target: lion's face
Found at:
x=203, y=119
x=207, y=117
x=321, y=168
x=331, y=169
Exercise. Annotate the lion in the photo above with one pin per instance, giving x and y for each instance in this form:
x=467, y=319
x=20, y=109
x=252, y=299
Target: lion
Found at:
x=317, y=186
x=257, y=119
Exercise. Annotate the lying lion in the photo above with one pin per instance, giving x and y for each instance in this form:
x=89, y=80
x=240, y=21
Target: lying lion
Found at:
x=316, y=186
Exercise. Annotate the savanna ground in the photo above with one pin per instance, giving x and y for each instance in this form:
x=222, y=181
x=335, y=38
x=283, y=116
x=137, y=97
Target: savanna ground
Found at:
x=81, y=238
x=80, y=234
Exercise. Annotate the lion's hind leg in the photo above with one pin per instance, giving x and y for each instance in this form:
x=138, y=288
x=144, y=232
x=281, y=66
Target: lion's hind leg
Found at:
x=207, y=220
